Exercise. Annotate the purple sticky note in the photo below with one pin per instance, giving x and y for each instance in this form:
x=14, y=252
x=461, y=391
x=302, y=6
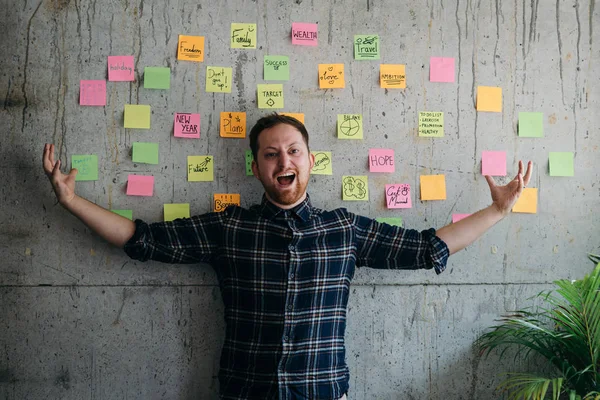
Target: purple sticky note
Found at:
x=304, y=34
x=458, y=217
x=441, y=69
x=493, y=163
x=187, y=125
x=381, y=160
x=140, y=185
x=92, y=93
x=398, y=196
x=120, y=68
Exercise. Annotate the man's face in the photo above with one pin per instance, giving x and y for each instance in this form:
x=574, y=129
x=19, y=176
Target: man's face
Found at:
x=283, y=165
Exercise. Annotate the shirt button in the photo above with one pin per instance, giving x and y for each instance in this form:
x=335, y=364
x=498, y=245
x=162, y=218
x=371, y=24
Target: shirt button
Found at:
x=286, y=338
x=292, y=275
x=289, y=307
x=291, y=247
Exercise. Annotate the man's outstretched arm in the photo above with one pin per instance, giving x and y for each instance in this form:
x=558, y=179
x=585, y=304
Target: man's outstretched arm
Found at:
x=110, y=226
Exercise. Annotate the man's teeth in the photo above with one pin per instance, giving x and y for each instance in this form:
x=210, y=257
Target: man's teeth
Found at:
x=284, y=175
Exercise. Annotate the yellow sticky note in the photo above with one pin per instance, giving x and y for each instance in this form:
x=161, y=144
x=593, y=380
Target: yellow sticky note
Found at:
x=323, y=165
x=224, y=200
x=190, y=48
x=298, y=116
x=349, y=126
x=218, y=79
x=137, y=116
x=433, y=187
x=233, y=125
x=355, y=188
x=489, y=98
x=527, y=202
x=392, y=76
x=243, y=36
x=270, y=95
x=176, y=210
x=200, y=168
x=331, y=76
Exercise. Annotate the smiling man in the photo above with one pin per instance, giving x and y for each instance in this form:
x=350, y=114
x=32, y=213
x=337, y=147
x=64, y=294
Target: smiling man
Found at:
x=284, y=267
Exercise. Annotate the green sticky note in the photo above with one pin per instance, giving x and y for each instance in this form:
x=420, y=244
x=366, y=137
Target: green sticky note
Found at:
x=531, y=124
x=561, y=163
x=249, y=159
x=176, y=210
x=395, y=221
x=277, y=68
x=218, y=79
x=87, y=167
x=349, y=126
x=124, y=213
x=146, y=153
x=431, y=124
x=157, y=78
x=366, y=47
x=137, y=116
x=270, y=95
x=355, y=188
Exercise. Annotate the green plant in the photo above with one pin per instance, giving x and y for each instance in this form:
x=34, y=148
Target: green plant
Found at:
x=565, y=330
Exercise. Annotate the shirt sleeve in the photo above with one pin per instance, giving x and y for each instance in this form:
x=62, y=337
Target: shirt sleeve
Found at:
x=383, y=246
x=182, y=241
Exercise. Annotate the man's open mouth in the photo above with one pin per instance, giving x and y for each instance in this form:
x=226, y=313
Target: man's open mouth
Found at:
x=286, y=179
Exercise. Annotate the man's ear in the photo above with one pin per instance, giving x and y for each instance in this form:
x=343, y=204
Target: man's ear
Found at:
x=255, y=169
x=311, y=158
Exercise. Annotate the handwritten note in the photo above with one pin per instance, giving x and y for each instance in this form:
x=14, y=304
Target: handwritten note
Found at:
x=561, y=163
x=331, y=76
x=222, y=201
x=200, y=168
x=190, y=48
x=304, y=34
x=87, y=167
x=243, y=36
x=493, y=163
x=140, y=185
x=157, y=78
x=398, y=196
x=433, y=187
x=92, y=93
x=392, y=76
x=186, y=125
x=298, y=116
x=527, y=202
x=441, y=69
x=458, y=217
x=249, y=158
x=218, y=79
x=121, y=68
x=233, y=125
x=270, y=95
x=489, y=98
x=277, y=68
x=124, y=213
x=431, y=124
x=174, y=211
x=322, y=164
x=349, y=126
x=145, y=152
x=366, y=47
x=393, y=221
x=137, y=116
x=355, y=188
x=381, y=160
x=531, y=124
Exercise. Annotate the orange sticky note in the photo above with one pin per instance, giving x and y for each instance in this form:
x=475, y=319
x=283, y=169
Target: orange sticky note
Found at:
x=298, y=116
x=190, y=48
x=224, y=200
x=527, y=202
x=392, y=76
x=331, y=76
x=433, y=187
x=233, y=125
x=489, y=98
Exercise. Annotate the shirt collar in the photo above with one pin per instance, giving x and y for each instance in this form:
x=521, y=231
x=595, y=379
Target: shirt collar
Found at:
x=269, y=210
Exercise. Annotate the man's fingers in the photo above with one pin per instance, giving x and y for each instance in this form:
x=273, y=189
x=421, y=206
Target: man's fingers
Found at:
x=490, y=181
x=72, y=174
x=528, y=173
x=56, y=170
x=521, y=184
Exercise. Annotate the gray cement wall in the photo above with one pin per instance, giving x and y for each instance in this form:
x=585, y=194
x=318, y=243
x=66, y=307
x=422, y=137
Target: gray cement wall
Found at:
x=79, y=320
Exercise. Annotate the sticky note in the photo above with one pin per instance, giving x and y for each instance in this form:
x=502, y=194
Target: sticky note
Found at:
x=298, y=116
x=124, y=213
x=277, y=68
x=392, y=76
x=433, y=187
x=431, y=124
x=186, y=125
x=355, y=188
x=493, y=163
x=137, y=116
x=394, y=221
x=233, y=125
x=323, y=165
x=398, y=196
x=531, y=124
x=366, y=47
x=243, y=36
x=145, y=152
x=349, y=126
x=249, y=158
x=140, y=185
x=218, y=79
x=176, y=210
x=304, y=34
x=87, y=167
x=157, y=78
x=92, y=93
x=331, y=76
x=200, y=168
x=190, y=48
x=527, y=202
x=270, y=95
x=489, y=98
x=381, y=160
x=121, y=68
x=223, y=200
x=561, y=163
x=441, y=69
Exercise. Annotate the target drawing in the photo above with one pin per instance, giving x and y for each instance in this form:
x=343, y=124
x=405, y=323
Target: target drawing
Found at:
x=350, y=127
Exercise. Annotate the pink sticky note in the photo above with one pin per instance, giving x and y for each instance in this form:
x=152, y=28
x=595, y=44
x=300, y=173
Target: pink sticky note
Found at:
x=140, y=185
x=458, y=217
x=493, y=163
x=187, y=125
x=381, y=160
x=398, y=196
x=304, y=34
x=92, y=93
x=121, y=68
x=441, y=69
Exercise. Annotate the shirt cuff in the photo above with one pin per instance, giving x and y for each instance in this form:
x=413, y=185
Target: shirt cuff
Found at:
x=438, y=251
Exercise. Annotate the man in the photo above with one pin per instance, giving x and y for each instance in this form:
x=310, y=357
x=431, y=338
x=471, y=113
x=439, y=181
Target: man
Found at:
x=284, y=267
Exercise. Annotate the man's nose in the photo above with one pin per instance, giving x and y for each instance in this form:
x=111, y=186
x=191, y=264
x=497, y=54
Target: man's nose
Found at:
x=284, y=160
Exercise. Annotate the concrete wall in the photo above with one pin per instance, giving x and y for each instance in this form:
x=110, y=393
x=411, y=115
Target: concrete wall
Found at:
x=79, y=320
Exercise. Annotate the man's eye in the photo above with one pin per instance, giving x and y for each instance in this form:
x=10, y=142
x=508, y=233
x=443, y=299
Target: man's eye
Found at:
x=270, y=155
x=294, y=151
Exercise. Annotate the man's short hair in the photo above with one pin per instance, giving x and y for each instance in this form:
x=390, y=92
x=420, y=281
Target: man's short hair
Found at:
x=270, y=121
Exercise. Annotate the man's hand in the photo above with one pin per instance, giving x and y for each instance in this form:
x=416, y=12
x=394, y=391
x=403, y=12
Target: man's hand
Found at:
x=505, y=197
x=63, y=185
